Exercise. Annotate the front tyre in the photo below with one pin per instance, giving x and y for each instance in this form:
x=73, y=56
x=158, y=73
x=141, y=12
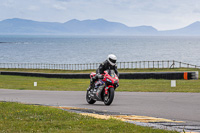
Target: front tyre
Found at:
x=89, y=98
x=108, y=98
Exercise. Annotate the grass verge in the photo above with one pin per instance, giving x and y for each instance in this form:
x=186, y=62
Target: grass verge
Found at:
x=149, y=85
x=17, y=117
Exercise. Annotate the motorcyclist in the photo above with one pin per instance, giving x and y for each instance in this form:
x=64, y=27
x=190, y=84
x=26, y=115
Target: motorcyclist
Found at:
x=109, y=63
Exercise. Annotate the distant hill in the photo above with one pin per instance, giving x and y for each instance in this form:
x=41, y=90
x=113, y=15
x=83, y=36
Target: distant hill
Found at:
x=101, y=26
x=72, y=27
x=87, y=27
x=22, y=26
x=190, y=30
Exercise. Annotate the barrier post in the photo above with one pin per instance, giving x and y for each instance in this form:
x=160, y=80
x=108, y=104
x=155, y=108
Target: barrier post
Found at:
x=162, y=64
x=136, y=64
x=153, y=64
x=168, y=64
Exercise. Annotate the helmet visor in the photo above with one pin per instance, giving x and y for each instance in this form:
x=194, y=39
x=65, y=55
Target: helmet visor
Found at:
x=113, y=61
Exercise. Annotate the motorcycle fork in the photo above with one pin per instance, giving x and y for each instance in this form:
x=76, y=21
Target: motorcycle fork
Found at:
x=106, y=90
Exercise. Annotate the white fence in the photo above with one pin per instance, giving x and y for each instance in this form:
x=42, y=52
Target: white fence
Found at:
x=90, y=66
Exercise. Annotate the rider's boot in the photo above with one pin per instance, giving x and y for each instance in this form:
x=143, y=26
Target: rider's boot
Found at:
x=91, y=84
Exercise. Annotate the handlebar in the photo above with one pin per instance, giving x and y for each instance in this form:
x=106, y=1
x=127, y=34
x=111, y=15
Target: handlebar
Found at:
x=100, y=76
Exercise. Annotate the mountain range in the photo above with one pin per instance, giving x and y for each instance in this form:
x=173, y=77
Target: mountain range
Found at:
x=88, y=27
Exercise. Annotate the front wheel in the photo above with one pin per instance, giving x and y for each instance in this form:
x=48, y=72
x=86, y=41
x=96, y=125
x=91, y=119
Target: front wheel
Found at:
x=89, y=98
x=108, y=98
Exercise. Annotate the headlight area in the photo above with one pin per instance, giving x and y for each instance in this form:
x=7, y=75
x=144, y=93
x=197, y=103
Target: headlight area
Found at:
x=108, y=80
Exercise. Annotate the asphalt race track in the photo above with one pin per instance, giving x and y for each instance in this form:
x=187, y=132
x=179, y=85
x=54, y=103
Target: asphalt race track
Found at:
x=174, y=106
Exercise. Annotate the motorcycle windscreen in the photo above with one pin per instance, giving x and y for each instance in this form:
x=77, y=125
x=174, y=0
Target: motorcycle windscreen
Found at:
x=111, y=73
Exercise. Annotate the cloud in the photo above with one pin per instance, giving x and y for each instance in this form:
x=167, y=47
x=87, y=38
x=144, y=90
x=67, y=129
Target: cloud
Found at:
x=59, y=7
x=33, y=8
x=8, y=3
x=65, y=0
x=196, y=10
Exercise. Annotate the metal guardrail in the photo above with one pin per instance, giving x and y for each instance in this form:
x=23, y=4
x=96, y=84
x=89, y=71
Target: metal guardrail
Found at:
x=91, y=66
x=135, y=75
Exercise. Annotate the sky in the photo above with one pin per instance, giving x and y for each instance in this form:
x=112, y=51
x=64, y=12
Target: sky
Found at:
x=161, y=14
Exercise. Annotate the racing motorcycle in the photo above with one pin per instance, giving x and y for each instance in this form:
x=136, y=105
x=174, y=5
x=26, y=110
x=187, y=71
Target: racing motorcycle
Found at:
x=104, y=88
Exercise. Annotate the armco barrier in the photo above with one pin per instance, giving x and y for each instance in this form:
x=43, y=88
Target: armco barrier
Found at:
x=49, y=75
x=160, y=75
x=138, y=75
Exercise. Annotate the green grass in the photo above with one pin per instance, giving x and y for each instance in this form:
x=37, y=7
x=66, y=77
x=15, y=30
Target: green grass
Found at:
x=153, y=85
x=149, y=85
x=26, y=83
x=17, y=117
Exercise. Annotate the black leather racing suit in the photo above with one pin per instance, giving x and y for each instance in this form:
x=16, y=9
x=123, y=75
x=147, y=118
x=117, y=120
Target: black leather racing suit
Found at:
x=105, y=66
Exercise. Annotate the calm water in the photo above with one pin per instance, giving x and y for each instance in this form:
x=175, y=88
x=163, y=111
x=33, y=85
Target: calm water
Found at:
x=92, y=49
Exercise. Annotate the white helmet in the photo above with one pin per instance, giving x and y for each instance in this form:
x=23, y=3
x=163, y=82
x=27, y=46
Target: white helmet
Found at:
x=112, y=59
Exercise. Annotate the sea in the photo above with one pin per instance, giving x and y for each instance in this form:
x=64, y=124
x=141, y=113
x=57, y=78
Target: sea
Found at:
x=95, y=49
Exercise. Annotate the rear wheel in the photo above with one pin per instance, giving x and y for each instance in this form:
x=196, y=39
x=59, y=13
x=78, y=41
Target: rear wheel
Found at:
x=108, y=98
x=89, y=98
